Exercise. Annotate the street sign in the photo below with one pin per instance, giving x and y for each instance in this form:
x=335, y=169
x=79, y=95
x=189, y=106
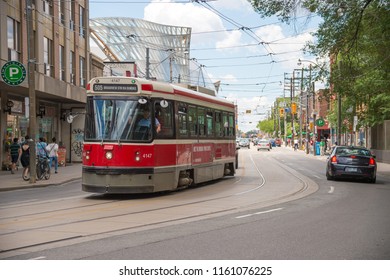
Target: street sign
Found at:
x=13, y=73
x=320, y=122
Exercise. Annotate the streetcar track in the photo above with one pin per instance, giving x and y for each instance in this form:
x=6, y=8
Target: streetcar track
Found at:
x=304, y=186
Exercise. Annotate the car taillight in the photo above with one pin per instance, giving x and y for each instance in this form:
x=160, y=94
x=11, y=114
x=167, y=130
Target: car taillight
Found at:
x=333, y=159
x=372, y=161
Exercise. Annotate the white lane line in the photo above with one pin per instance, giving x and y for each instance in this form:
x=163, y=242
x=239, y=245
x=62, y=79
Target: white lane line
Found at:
x=331, y=189
x=259, y=213
x=318, y=177
x=38, y=258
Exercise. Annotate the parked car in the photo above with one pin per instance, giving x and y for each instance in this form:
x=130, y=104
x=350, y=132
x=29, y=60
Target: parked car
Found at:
x=351, y=162
x=244, y=142
x=263, y=144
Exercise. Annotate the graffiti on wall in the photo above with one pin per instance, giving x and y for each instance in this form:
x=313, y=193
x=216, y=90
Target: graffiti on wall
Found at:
x=77, y=142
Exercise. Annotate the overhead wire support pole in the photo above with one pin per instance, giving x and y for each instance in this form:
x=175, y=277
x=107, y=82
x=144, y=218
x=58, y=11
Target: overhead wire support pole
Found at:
x=31, y=90
x=292, y=114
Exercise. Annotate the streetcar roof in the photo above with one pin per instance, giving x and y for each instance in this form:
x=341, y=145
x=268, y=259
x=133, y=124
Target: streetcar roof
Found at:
x=147, y=87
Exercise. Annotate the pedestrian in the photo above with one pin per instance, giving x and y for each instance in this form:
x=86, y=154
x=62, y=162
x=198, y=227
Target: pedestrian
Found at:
x=296, y=142
x=41, y=148
x=52, y=149
x=322, y=146
x=25, y=153
x=15, y=152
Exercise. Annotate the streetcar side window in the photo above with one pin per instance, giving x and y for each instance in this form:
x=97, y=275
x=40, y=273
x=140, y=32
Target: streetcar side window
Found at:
x=164, y=115
x=218, y=124
x=182, y=114
x=201, y=122
x=225, y=123
x=231, y=131
x=192, y=121
x=209, y=123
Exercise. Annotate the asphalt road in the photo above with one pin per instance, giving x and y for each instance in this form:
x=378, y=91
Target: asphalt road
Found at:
x=279, y=207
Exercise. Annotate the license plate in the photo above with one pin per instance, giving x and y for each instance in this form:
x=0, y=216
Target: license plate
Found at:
x=351, y=169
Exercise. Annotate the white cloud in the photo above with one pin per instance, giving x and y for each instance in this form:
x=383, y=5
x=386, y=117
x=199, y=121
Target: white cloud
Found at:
x=198, y=18
x=230, y=39
x=188, y=15
x=285, y=48
x=232, y=4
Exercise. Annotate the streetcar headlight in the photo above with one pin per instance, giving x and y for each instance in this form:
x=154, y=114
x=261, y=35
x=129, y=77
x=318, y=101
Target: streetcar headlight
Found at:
x=108, y=155
x=137, y=156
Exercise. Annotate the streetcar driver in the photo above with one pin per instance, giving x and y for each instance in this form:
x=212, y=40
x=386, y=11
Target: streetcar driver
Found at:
x=146, y=121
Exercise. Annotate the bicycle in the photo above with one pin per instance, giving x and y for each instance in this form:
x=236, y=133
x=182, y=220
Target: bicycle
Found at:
x=42, y=168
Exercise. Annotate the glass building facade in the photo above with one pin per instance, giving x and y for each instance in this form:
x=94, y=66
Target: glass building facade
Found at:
x=133, y=40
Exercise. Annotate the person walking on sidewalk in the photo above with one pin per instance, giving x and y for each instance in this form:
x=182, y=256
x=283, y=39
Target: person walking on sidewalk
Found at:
x=322, y=146
x=295, y=144
x=52, y=149
x=15, y=152
x=25, y=155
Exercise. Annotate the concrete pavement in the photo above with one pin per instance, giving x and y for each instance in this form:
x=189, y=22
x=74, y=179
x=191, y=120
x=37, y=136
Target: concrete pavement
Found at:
x=72, y=172
x=15, y=181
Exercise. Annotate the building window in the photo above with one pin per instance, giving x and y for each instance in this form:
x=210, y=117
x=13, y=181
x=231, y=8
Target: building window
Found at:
x=82, y=22
x=61, y=52
x=71, y=15
x=72, y=68
x=48, y=56
x=13, y=39
x=82, y=71
x=47, y=7
x=61, y=11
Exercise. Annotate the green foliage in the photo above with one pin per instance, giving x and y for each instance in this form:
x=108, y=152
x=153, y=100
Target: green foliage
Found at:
x=266, y=126
x=356, y=35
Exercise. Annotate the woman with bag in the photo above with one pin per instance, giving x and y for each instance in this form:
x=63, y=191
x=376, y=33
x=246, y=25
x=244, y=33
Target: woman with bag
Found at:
x=25, y=157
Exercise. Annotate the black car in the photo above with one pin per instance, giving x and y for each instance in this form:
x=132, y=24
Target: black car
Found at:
x=351, y=162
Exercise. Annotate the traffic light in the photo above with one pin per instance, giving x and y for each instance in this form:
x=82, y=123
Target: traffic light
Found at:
x=281, y=112
x=293, y=108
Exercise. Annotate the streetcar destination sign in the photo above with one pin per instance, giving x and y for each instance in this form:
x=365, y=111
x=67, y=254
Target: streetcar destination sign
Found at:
x=13, y=73
x=115, y=88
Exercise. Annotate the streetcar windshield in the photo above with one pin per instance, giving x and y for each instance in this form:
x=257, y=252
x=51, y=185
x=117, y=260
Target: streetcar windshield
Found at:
x=118, y=119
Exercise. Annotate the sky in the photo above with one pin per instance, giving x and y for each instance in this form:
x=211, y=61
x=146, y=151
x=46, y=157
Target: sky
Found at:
x=248, y=54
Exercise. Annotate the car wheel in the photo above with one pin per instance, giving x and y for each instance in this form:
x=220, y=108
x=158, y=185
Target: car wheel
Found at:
x=328, y=176
x=372, y=180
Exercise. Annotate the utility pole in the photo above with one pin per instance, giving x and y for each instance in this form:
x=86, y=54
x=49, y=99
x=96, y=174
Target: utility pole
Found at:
x=147, y=64
x=31, y=90
x=339, y=109
x=300, y=110
x=314, y=121
x=292, y=114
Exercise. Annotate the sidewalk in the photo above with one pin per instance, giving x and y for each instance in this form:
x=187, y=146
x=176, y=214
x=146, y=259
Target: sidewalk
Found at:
x=15, y=181
x=382, y=168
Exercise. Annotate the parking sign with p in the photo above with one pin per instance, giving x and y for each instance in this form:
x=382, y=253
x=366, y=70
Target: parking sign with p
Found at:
x=13, y=73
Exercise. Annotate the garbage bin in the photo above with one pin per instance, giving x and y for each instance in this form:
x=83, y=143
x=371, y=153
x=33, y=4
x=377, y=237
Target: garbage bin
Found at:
x=61, y=156
x=318, y=149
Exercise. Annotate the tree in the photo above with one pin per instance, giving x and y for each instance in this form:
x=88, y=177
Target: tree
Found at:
x=357, y=34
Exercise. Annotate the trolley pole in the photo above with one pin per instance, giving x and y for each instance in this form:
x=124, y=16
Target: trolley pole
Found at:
x=31, y=90
x=147, y=64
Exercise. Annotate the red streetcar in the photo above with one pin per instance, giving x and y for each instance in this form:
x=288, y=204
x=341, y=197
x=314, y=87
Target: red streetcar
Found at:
x=144, y=136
